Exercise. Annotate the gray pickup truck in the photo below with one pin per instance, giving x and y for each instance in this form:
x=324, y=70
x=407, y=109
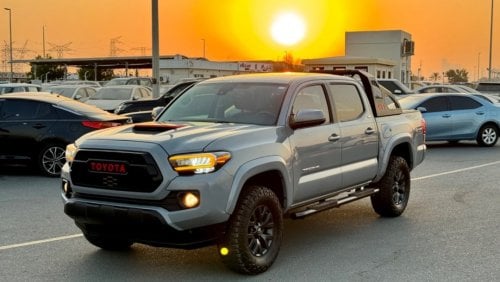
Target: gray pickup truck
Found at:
x=230, y=158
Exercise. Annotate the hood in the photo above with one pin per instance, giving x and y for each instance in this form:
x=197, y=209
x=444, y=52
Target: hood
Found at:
x=106, y=105
x=177, y=138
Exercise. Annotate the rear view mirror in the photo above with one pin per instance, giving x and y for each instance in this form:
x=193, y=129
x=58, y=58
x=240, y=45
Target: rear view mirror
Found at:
x=422, y=109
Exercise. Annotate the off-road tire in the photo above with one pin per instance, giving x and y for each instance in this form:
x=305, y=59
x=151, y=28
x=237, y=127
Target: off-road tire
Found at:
x=254, y=232
x=108, y=243
x=392, y=199
x=487, y=135
x=51, y=159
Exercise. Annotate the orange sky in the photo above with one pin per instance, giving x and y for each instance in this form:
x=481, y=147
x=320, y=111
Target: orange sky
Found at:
x=447, y=33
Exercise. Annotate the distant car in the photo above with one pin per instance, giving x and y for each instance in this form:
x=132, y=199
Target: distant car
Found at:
x=489, y=87
x=6, y=88
x=36, y=127
x=446, y=88
x=92, y=83
x=455, y=117
x=109, y=97
x=395, y=86
x=77, y=92
x=148, y=105
x=144, y=81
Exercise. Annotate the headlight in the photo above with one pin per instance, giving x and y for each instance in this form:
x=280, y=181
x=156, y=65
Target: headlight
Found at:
x=70, y=152
x=199, y=163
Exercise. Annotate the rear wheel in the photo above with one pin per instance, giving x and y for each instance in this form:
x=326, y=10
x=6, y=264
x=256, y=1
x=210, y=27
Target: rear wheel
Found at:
x=254, y=234
x=392, y=199
x=51, y=159
x=487, y=135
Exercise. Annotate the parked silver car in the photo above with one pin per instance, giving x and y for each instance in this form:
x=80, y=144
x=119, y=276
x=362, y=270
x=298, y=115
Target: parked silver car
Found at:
x=6, y=88
x=109, y=98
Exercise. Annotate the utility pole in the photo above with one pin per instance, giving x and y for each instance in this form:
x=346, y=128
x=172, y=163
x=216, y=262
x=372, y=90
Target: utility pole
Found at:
x=156, y=48
x=10, y=32
x=491, y=40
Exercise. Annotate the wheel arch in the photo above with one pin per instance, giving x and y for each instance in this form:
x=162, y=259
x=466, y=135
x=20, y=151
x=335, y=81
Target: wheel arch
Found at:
x=403, y=149
x=270, y=172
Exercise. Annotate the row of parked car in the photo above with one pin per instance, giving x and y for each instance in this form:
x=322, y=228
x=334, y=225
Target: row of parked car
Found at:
x=36, y=125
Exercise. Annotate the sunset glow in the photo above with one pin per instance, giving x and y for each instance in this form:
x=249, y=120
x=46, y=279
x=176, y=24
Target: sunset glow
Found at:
x=253, y=29
x=288, y=29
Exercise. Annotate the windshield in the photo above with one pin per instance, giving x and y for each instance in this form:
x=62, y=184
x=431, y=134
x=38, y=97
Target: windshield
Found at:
x=117, y=82
x=112, y=94
x=66, y=92
x=250, y=103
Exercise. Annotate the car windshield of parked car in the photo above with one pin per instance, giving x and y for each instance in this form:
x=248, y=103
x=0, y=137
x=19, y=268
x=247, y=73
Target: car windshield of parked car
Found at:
x=249, y=103
x=112, y=94
x=66, y=91
x=117, y=82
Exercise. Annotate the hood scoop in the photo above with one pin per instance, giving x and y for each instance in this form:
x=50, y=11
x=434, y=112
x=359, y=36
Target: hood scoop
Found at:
x=156, y=127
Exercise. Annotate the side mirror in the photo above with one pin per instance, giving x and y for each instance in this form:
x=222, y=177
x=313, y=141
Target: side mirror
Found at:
x=156, y=112
x=306, y=118
x=78, y=97
x=422, y=109
x=397, y=92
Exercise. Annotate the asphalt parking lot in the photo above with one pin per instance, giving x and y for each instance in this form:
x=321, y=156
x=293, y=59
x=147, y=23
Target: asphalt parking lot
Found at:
x=449, y=232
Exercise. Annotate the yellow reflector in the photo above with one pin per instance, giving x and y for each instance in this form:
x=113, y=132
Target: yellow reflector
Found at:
x=224, y=251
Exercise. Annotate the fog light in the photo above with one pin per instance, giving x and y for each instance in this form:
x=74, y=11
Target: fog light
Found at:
x=189, y=200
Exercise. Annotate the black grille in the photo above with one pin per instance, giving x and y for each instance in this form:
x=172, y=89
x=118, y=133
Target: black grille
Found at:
x=142, y=174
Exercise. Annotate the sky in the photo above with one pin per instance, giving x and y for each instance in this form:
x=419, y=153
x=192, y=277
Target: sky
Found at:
x=448, y=34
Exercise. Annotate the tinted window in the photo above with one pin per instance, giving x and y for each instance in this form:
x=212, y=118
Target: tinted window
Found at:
x=26, y=110
x=463, y=103
x=436, y=104
x=347, y=101
x=312, y=98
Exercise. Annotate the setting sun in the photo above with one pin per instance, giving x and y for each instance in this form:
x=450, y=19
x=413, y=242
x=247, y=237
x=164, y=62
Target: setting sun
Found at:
x=288, y=29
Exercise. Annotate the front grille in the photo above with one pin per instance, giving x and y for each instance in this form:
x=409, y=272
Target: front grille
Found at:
x=143, y=174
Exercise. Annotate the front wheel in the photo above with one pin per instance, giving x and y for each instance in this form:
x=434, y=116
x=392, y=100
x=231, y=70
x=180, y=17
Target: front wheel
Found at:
x=392, y=199
x=487, y=135
x=51, y=159
x=253, y=237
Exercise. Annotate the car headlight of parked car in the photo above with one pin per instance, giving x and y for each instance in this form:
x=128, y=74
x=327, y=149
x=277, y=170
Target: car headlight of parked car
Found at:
x=70, y=152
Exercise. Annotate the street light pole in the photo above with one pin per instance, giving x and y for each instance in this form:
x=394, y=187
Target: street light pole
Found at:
x=491, y=40
x=10, y=32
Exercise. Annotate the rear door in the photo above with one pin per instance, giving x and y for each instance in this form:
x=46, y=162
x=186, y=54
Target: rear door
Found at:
x=467, y=115
x=22, y=124
x=358, y=131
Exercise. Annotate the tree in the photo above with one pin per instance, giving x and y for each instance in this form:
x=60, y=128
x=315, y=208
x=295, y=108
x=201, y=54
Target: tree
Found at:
x=88, y=73
x=456, y=76
x=435, y=76
x=46, y=72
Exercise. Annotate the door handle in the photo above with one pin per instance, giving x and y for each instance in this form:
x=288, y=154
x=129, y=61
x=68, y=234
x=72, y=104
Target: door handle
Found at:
x=38, y=126
x=446, y=115
x=334, y=137
x=369, y=131
x=479, y=113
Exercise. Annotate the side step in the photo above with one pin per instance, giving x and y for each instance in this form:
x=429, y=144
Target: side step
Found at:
x=335, y=202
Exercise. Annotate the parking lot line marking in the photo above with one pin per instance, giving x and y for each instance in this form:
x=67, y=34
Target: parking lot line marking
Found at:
x=40, y=242
x=455, y=171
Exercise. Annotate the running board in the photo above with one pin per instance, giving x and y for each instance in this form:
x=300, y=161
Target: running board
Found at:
x=334, y=202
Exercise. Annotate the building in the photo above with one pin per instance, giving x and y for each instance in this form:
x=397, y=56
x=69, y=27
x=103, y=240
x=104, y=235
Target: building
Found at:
x=384, y=54
x=181, y=67
x=380, y=68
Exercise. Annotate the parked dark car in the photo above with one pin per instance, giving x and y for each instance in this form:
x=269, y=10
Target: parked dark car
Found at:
x=36, y=127
x=163, y=100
